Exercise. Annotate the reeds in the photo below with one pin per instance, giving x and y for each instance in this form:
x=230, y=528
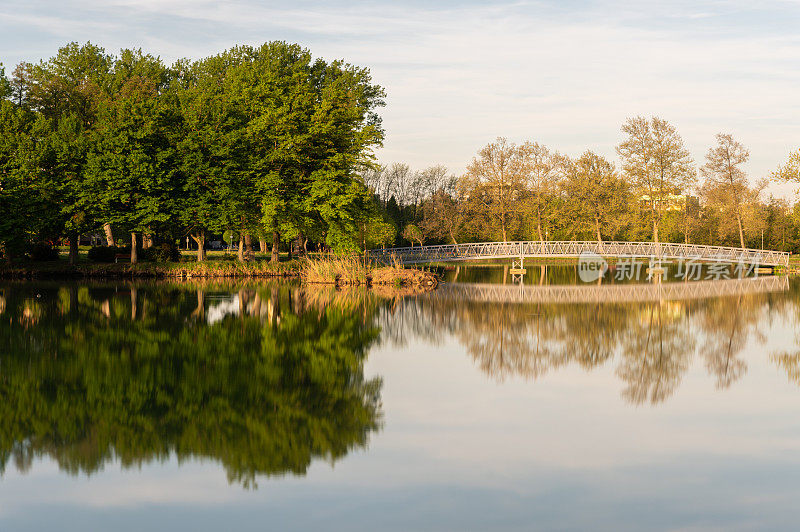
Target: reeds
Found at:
x=351, y=270
x=335, y=269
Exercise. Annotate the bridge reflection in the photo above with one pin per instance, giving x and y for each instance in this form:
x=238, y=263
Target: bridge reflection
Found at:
x=520, y=293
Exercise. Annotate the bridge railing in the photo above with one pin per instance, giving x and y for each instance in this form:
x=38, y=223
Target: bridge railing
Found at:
x=662, y=250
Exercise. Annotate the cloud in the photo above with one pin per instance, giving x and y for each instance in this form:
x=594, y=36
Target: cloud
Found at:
x=458, y=75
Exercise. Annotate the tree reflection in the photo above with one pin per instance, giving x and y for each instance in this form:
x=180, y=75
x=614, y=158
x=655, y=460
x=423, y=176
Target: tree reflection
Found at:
x=141, y=373
x=651, y=344
x=655, y=355
x=789, y=360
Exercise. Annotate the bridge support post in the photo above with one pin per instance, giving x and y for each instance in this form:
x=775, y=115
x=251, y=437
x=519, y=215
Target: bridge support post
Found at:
x=518, y=270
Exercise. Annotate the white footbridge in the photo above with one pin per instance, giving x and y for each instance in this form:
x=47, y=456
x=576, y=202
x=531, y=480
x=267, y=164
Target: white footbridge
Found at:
x=661, y=251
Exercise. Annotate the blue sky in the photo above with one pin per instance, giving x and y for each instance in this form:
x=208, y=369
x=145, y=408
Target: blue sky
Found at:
x=458, y=74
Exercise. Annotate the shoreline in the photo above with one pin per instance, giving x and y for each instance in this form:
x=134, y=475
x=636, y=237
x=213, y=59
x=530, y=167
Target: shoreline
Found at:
x=385, y=276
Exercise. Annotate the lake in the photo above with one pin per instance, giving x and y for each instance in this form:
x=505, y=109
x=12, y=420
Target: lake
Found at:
x=554, y=404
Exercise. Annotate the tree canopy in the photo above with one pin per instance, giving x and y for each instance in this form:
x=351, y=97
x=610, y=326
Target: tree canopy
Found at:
x=259, y=140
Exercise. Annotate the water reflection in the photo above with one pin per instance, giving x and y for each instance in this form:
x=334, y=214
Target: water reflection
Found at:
x=267, y=378
x=262, y=379
x=188, y=381
x=650, y=340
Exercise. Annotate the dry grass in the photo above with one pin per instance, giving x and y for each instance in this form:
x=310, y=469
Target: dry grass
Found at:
x=333, y=269
x=350, y=270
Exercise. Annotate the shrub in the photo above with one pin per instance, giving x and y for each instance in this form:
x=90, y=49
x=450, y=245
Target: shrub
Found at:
x=42, y=251
x=104, y=253
x=161, y=253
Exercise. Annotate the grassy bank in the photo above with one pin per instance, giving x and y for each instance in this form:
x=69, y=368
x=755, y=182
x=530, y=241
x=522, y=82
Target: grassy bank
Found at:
x=46, y=270
x=331, y=270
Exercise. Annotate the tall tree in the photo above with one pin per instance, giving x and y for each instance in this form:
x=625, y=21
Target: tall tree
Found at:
x=133, y=163
x=443, y=216
x=542, y=173
x=207, y=196
x=497, y=177
x=723, y=174
x=656, y=163
x=66, y=91
x=594, y=193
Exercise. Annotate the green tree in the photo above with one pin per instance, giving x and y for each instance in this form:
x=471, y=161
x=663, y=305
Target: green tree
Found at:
x=595, y=194
x=133, y=164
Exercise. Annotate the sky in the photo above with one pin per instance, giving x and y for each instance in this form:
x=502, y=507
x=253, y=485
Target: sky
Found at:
x=459, y=74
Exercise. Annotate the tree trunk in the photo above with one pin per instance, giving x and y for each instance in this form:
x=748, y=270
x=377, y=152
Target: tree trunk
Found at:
x=597, y=229
x=741, y=231
x=73, y=249
x=655, y=231
x=147, y=241
x=276, y=241
x=201, y=245
x=109, y=234
x=262, y=245
x=248, y=244
x=240, y=253
x=539, y=222
x=134, y=257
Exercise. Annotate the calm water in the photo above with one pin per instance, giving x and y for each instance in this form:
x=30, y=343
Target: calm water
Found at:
x=481, y=406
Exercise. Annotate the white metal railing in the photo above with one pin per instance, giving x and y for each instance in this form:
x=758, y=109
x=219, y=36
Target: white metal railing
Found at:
x=660, y=251
x=621, y=293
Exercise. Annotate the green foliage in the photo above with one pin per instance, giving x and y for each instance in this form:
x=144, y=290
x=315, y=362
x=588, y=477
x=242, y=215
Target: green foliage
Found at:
x=412, y=233
x=256, y=139
x=5, y=85
x=42, y=251
x=161, y=253
x=107, y=253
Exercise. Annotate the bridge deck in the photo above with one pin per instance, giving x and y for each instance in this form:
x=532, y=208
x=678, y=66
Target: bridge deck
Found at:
x=643, y=250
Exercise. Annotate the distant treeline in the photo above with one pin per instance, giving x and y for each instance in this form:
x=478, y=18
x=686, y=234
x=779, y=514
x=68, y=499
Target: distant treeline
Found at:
x=264, y=141
x=530, y=192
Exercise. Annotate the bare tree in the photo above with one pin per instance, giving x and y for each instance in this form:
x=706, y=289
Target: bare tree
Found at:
x=371, y=176
x=399, y=183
